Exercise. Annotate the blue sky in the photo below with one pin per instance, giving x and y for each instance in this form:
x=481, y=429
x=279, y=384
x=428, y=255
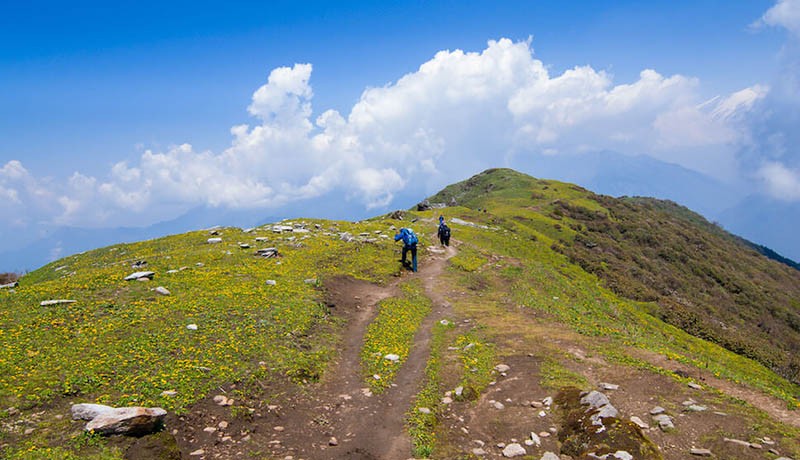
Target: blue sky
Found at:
x=106, y=110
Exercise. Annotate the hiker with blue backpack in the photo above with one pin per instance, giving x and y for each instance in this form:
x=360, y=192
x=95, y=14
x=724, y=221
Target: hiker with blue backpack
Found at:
x=409, y=244
x=444, y=232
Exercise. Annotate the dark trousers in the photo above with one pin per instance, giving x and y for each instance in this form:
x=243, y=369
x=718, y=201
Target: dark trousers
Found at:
x=413, y=249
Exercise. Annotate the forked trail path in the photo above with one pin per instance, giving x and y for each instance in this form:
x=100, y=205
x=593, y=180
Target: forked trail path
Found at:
x=365, y=426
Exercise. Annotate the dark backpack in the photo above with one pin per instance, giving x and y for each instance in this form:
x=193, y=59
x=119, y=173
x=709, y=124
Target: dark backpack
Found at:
x=445, y=231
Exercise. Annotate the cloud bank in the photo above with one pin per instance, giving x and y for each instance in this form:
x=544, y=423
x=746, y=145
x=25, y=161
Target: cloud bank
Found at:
x=460, y=112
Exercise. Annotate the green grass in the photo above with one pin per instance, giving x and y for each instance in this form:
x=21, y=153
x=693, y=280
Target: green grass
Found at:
x=392, y=332
x=123, y=344
x=422, y=426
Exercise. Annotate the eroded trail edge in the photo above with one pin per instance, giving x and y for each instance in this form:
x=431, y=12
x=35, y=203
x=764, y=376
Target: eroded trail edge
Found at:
x=339, y=418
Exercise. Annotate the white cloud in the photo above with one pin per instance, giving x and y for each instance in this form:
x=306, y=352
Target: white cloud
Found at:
x=785, y=13
x=458, y=113
x=780, y=182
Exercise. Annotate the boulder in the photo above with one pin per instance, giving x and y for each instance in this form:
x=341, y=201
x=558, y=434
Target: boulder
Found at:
x=214, y=240
x=140, y=275
x=106, y=420
x=162, y=290
x=9, y=285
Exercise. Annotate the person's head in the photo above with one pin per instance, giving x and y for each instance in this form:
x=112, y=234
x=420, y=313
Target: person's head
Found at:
x=441, y=219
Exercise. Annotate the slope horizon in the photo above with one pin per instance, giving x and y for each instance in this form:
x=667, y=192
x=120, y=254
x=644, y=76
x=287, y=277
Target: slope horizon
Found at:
x=65, y=241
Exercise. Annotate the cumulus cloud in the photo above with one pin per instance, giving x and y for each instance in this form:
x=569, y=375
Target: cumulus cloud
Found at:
x=458, y=113
x=785, y=13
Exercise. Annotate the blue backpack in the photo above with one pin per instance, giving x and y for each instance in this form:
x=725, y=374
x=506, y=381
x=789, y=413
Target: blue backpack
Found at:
x=412, y=237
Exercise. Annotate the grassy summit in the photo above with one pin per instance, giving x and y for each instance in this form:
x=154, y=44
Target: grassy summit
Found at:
x=693, y=274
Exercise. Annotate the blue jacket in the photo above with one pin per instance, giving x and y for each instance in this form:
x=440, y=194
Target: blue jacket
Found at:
x=407, y=235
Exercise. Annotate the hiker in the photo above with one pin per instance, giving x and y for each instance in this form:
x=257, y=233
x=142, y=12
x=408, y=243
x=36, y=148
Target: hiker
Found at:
x=409, y=244
x=444, y=232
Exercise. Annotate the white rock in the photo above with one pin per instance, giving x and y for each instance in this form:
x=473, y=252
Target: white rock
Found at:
x=549, y=456
x=535, y=439
x=447, y=400
x=210, y=429
x=502, y=368
x=191, y=327
x=498, y=405
x=169, y=393
x=700, y=452
x=459, y=391
x=423, y=410
x=162, y=290
x=640, y=423
x=478, y=451
x=197, y=453
x=548, y=401
x=271, y=282
x=514, y=450
x=86, y=411
x=608, y=386
x=139, y=275
x=214, y=240
x=47, y=303
x=127, y=420
x=392, y=357
x=657, y=410
x=695, y=386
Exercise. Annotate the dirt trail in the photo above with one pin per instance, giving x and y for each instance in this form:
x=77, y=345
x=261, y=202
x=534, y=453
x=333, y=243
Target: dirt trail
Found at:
x=365, y=426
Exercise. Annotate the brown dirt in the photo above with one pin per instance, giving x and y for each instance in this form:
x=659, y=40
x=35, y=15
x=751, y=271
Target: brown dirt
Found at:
x=302, y=424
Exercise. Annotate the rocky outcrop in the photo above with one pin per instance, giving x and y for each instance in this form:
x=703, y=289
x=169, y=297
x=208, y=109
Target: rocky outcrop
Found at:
x=106, y=420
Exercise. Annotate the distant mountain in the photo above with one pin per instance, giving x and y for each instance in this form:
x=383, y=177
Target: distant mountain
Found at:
x=66, y=241
x=769, y=222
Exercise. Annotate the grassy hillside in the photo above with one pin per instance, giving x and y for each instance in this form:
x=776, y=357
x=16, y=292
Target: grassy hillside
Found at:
x=637, y=284
x=693, y=274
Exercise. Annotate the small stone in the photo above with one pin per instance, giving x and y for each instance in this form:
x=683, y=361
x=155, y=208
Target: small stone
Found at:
x=548, y=401
x=478, y=451
x=191, y=327
x=640, y=423
x=754, y=445
x=197, y=453
x=696, y=408
x=392, y=357
x=459, y=391
x=700, y=452
x=210, y=429
x=333, y=441
x=214, y=240
x=498, y=405
x=513, y=450
x=501, y=368
x=550, y=456
x=226, y=439
x=279, y=429
x=542, y=413
x=447, y=400
x=544, y=434
x=608, y=386
x=169, y=393
x=222, y=425
x=695, y=386
x=271, y=282
x=423, y=410
x=657, y=410
x=29, y=431
x=737, y=441
x=162, y=290
x=536, y=404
